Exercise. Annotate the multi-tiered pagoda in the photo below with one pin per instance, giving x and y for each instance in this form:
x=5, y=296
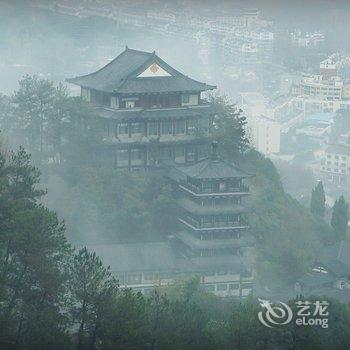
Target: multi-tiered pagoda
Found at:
x=151, y=112
x=215, y=230
x=153, y=115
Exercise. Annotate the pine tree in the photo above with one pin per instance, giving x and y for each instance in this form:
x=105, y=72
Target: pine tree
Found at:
x=35, y=102
x=92, y=289
x=340, y=218
x=228, y=127
x=318, y=200
x=33, y=252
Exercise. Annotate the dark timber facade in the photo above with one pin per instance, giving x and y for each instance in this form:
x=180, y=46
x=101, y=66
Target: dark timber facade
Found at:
x=152, y=113
x=215, y=232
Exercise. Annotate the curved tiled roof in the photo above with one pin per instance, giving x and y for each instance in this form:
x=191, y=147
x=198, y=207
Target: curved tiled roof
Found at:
x=120, y=76
x=208, y=168
x=213, y=169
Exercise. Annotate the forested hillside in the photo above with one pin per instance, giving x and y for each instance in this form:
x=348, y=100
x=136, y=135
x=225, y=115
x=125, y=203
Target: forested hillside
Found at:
x=53, y=296
x=102, y=204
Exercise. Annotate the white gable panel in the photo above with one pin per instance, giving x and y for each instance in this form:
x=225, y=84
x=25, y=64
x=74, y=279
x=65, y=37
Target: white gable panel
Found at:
x=154, y=70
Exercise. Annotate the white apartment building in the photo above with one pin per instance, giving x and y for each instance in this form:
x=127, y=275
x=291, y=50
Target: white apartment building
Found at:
x=307, y=39
x=321, y=93
x=248, y=54
x=308, y=105
x=321, y=87
x=265, y=134
x=264, y=131
x=336, y=164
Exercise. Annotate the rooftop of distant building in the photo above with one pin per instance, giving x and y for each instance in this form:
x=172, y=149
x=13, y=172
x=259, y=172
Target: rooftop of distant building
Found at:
x=341, y=149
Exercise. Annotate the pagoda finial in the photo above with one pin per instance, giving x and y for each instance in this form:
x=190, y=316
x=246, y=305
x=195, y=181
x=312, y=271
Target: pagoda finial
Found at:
x=214, y=150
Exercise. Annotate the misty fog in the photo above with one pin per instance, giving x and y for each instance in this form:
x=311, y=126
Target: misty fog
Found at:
x=169, y=170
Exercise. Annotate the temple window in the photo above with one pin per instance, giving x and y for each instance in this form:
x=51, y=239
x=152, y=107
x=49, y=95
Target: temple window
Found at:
x=206, y=252
x=129, y=104
x=192, y=126
x=166, y=153
x=221, y=286
x=136, y=128
x=202, y=152
x=134, y=278
x=207, y=187
x=234, y=286
x=179, y=153
x=209, y=287
x=222, y=186
x=153, y=128
x=180, y=127
x=114, y=102
x=136, y=154
x=167, y=128
x=185, y=99
x=220, y=219
x=122, y=157
x=232, y=219
x=207, y=220
x=190, y=154
x=247, y=285
x=204, y=124
x=123, y=129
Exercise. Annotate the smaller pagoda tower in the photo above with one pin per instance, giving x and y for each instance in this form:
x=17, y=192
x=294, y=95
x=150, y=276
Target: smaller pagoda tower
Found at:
x=214, y=230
